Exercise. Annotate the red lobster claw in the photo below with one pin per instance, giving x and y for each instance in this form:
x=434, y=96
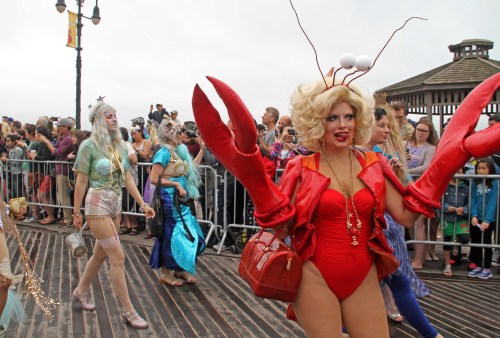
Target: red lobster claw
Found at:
x=458, y=143
x=240, y=155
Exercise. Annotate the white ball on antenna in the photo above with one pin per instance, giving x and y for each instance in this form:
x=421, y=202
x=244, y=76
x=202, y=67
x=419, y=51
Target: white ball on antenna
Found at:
x=347, y=60
x=363, y=63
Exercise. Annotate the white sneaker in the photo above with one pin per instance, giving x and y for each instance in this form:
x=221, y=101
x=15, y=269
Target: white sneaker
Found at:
x=29, y=219
x=224, y=247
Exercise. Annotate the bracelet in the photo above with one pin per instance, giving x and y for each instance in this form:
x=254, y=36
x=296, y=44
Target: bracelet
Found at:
x=78, y=213
x=141, y=208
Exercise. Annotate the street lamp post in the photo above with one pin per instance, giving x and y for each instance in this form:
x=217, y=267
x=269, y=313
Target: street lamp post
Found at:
x=61, y=7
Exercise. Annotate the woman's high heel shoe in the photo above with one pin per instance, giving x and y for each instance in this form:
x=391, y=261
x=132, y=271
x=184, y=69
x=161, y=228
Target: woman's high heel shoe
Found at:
x=82, y=299
x=133, y=319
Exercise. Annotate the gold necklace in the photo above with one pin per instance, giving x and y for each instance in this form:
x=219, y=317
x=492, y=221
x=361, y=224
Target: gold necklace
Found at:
x=353, y=232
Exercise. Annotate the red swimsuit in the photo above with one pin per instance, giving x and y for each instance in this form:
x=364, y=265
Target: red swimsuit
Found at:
x=343, y=266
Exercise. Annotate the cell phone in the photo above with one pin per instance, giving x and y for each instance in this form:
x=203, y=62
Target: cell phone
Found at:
x=407, y=150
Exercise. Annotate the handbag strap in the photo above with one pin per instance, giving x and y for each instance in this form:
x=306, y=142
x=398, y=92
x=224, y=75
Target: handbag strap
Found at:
x=157, y=188
x=188, y=232
x=276, y=234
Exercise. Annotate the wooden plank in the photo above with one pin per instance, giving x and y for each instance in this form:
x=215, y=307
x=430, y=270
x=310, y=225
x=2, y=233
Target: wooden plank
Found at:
x=140, y=290
x=220, y=304
x=31, y=247
x=176, y=324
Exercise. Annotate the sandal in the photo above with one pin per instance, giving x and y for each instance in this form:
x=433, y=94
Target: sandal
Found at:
x=414, y=267
x=82, y=299
x=396, y=318
x=133, y=319
x=447, y=271
x=45, y=222
x=189, y=278
x=137, y=230
x=170, y=280
x=125, y=231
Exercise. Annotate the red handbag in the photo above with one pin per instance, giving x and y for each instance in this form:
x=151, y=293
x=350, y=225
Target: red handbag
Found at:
x=271, y=268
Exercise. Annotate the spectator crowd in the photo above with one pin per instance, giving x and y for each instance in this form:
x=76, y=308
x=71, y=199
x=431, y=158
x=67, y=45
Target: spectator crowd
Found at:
x=38, y=180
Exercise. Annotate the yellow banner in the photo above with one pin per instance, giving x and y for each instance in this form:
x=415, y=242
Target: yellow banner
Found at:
x=71, y=29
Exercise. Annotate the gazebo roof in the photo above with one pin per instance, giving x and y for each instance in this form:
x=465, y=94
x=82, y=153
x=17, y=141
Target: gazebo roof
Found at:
x=471, y=66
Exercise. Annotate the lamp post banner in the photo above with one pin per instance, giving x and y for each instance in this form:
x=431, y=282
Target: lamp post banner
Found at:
x=71, y=29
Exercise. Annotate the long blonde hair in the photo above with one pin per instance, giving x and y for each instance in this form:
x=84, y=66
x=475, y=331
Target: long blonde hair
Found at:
x=394, y=145
x=153, y=133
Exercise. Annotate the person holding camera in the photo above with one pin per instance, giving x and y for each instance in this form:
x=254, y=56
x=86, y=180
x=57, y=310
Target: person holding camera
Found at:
x=286, y=148
x=190, y=138
x=158, y=114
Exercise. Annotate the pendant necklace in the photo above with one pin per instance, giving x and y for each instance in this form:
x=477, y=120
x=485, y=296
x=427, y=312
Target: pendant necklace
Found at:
x=351, y=231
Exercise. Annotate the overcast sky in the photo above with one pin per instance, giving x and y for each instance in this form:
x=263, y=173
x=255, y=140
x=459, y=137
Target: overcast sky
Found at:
x=154, y=51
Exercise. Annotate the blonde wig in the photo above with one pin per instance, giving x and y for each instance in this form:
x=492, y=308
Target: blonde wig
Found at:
x=311, y=104
x=100, y=134
x=395, y=146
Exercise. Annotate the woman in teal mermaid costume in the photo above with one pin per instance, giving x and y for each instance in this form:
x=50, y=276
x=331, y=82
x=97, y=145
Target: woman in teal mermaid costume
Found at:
x=181, y=241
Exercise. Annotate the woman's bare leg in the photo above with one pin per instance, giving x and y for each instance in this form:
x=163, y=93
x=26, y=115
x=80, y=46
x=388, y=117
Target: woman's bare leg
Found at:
x=316, y=307
x=91, y=269
x=363, y=312
x=105, y=230
x=418, y=261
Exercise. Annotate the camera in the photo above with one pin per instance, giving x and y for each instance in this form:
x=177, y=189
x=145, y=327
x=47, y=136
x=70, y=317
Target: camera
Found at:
x=191, y=133
x=292, y=132
x=407, y=150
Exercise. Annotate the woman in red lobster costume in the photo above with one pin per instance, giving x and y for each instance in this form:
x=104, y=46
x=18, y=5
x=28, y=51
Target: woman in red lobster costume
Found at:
x=333, y=201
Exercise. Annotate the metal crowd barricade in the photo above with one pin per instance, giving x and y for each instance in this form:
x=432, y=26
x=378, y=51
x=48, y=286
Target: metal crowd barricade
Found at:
x=238, y=210
x=208, y=199
x=38, y=183
x=225, y=203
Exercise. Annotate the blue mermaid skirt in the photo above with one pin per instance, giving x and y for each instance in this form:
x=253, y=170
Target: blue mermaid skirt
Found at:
x=173, y=249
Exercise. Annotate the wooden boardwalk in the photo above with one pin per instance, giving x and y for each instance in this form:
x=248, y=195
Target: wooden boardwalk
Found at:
x=218, y=305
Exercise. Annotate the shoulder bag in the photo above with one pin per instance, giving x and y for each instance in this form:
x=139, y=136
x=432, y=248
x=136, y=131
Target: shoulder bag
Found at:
x=270, y=267
x=155, y=224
